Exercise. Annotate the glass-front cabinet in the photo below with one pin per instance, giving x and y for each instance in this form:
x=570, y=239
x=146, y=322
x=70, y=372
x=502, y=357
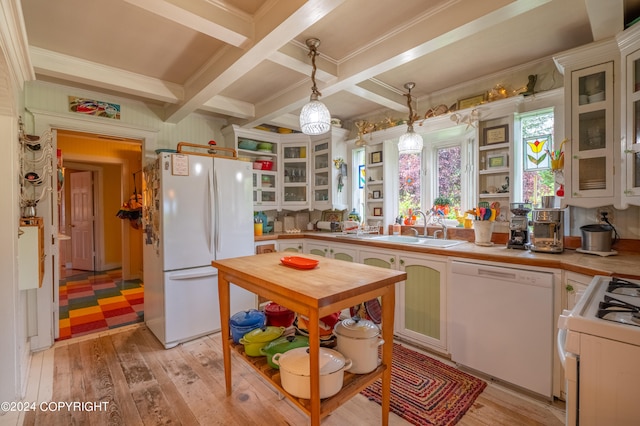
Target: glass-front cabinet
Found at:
x=592, y=124
x=295, y=183
x=629, y=42
x=321, y=172
x=592, y=134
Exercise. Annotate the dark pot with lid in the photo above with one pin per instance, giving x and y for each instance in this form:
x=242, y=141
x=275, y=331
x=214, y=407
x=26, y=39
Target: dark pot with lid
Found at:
x=597, y=237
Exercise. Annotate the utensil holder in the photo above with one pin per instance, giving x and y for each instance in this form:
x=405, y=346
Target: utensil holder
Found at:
x=483, y=229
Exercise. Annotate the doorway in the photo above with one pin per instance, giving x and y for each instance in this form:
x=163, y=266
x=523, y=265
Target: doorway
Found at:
x=101, y=263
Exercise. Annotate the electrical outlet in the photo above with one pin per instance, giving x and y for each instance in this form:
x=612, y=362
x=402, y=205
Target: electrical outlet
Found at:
x=607, y=210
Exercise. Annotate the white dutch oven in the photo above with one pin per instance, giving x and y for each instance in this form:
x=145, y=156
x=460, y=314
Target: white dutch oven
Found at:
x=295, y=367
x=358, y=340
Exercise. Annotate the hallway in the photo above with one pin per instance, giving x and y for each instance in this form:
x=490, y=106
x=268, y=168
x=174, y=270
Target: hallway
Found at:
x=98, y=301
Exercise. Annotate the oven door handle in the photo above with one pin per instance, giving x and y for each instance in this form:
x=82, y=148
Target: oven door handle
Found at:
x=561, y=339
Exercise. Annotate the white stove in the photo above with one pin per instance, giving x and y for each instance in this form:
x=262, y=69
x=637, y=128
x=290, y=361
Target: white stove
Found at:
x=599, y=345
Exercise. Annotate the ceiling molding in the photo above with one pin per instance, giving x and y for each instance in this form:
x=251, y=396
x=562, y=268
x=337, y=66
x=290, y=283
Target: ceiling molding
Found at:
x=13, y=44
x=221, y=23
x=57, y=65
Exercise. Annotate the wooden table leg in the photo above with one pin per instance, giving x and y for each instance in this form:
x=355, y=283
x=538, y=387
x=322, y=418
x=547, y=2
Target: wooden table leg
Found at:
x=223, y=295
x=388, y=306
x=314, y=366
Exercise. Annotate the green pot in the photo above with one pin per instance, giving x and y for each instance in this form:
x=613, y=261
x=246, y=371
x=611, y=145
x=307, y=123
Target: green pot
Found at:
x=281, y=345
x=256, y=339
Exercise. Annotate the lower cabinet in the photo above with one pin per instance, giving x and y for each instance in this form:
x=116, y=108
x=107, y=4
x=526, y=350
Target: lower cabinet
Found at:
x=420, y=313
x=333, y=251
x=421, y=302
x=295, y=246
x=574, y=285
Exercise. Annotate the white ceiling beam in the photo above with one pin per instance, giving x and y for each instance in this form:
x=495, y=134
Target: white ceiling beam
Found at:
x=606, y=17
x=221, y=23
x=277, y=26
x=296, y=57
x=227, y=106
x=393, y=50
x=52, y=64
x=378, y=99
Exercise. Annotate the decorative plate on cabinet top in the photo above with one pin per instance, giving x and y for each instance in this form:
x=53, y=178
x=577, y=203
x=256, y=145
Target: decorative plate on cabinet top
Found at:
x=299, y=262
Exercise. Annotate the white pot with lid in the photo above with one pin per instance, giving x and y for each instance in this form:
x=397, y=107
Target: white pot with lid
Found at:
x=358, y=340
x=295, y=371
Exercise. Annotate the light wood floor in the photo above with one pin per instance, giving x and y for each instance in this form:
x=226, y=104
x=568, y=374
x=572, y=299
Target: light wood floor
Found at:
x=145, y=384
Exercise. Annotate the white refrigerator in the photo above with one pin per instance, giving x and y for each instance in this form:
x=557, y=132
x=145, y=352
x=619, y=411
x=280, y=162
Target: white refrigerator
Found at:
x=201, y=210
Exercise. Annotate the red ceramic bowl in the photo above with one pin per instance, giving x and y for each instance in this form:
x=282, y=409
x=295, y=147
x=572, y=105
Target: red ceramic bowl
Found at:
x=278, y=316
x=267, y=165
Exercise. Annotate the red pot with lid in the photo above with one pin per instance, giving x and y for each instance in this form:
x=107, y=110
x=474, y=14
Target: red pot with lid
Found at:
x=278, y=316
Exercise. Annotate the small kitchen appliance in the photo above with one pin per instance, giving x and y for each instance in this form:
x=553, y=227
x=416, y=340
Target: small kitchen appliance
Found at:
x=548, y=231
x=519, y=225
x=599, y=347
x=598, y=238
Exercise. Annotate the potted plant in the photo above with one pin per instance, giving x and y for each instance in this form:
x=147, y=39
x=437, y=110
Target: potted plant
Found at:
x=442, y=203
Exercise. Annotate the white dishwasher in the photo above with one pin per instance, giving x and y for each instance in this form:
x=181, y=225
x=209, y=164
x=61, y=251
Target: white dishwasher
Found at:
x=501, y=323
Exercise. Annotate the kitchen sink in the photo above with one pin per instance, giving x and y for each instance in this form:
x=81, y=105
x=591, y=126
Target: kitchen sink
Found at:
x=439, y=243
x=407, y=239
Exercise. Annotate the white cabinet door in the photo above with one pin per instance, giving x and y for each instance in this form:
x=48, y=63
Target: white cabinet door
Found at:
x=574, y=286
x=295, y=246
x=344, y=252
x=320, y=249
x=380, y=258
x=421, y=308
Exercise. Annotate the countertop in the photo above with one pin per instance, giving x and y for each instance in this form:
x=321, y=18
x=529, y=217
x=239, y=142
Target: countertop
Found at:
x=624, y=264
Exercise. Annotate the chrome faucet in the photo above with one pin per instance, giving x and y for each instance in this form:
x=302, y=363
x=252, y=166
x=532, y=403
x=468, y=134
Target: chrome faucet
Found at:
x=440, y=221
x=426, y=220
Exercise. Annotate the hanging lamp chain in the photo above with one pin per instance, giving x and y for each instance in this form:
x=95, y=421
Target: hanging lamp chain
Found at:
x=411, y=120
x=313, y=52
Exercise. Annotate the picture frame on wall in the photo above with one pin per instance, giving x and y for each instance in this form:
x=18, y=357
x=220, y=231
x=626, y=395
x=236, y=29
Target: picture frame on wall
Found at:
x=361, y=176
x=496, y=161
x=377, y=194
x=471, y=101
x=496, y=134
x=377, y=211
x=376, y=157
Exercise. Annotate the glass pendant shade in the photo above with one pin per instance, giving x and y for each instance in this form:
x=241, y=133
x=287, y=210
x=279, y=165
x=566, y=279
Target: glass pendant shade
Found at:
x=315, y=118
x=410, y=142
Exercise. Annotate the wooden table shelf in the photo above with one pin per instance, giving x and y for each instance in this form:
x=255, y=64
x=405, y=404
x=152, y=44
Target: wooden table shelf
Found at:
x=332, y=286
x=351, y=386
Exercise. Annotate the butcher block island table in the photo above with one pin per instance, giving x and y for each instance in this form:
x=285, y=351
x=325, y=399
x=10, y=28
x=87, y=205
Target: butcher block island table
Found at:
x=330, y=287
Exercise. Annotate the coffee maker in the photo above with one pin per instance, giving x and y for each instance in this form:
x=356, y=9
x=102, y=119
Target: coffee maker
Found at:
x=548, y=230
x=519, y=225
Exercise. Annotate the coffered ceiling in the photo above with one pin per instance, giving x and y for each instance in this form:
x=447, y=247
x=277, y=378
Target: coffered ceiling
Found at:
x=245, y=61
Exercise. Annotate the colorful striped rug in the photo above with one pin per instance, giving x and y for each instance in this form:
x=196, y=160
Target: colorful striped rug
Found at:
x=425, y=391
x=98, y=301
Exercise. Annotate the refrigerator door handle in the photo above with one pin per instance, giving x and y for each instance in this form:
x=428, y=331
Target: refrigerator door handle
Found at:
x=189, y=275
x=216, y=209
x=207, y=225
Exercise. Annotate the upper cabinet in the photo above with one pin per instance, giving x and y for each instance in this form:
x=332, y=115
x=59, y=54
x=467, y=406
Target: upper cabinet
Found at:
x=629, y=43
x=329, y=174
x=299, y=172
x=262, y=149
x=295, y=181
x=592, y=124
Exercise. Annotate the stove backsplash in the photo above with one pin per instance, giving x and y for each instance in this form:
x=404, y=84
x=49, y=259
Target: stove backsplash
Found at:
x=627, y=222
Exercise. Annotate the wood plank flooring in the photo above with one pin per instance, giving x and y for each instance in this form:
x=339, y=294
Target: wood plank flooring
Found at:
x=144, y=384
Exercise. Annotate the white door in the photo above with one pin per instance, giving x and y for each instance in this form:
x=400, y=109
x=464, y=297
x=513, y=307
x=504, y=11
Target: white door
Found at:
x=81, y=220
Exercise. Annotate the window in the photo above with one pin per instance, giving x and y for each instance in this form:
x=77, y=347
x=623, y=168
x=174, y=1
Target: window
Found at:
x=535, y=148
x=437, y=172
x=410, y=185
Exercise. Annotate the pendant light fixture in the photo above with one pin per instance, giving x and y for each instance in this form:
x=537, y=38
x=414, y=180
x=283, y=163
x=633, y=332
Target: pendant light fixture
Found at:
x=410, y=142
x=315, y=118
